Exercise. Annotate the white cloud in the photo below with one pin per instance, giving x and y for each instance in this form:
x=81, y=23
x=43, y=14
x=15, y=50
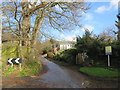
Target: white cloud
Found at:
x=101, y=9
x=76, y=31
x=67, y=38
x=113, y=4
x=88, y=27
x=88, y=16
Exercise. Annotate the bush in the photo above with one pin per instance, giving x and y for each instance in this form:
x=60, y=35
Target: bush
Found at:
x=95, y=49
x=50, y=55
x=46, y=49
x=68, y=56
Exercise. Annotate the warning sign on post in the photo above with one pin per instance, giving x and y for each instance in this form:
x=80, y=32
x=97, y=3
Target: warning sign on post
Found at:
x=108, y=50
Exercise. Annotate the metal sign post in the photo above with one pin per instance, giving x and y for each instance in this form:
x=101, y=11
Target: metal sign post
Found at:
x=108, y=60
x=108, y=51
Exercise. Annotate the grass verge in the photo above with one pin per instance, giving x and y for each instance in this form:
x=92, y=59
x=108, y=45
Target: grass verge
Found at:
x=100, y=71
x=32, y=68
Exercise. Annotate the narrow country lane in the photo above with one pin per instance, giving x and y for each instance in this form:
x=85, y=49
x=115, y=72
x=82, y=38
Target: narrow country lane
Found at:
x=58, y=77
x=61, y=77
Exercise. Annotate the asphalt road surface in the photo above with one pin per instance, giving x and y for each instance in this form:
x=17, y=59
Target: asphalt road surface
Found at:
x=63, y=77
x=60, y=77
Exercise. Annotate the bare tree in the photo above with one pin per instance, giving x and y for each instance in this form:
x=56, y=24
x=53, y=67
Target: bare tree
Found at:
x=26, y=19
x=108, y=34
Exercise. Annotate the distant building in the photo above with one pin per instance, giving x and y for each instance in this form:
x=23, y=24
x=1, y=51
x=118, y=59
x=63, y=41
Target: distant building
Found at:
x=66, y=44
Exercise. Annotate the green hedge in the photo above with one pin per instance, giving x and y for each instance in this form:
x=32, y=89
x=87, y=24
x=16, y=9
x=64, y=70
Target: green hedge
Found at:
x=68, y=56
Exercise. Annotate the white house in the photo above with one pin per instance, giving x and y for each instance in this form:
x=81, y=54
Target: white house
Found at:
x=66, y=44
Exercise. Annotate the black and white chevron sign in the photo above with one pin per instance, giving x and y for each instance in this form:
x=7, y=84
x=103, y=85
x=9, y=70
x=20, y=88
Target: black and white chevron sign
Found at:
x=14, y=61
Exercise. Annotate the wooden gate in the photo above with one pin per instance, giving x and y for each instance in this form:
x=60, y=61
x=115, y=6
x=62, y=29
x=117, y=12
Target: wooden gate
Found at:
x=81, y=58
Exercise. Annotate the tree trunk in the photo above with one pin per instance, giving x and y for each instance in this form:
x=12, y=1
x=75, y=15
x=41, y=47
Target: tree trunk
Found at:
x=26, y=28
x=25, y=24
x=36, y=29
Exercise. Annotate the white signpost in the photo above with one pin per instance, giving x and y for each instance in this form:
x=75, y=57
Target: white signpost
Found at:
x=108, y=51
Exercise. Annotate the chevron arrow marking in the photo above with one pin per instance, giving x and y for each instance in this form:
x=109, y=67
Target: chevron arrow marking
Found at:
x=17, y=60
x=10, y=60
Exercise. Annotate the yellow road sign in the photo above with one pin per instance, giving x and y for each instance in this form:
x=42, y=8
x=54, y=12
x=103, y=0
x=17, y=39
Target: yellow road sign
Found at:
x=108, y=50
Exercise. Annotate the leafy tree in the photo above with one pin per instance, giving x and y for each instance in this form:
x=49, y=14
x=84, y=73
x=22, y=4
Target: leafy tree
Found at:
x=94, y=47
x=47, y=49
x=68, y=56
x=118, y=26
x=84, y=42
